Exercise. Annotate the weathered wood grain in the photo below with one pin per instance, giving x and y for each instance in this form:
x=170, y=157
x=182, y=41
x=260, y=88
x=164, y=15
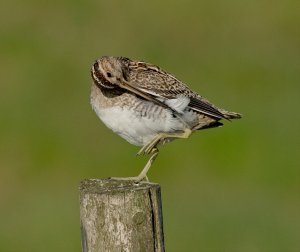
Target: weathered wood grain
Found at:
x=120, y=215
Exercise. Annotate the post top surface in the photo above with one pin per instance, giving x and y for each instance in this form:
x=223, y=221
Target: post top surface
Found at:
x=113, y=185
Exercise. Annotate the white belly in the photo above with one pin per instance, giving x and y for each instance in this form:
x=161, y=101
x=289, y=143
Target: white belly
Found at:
x=134, y=127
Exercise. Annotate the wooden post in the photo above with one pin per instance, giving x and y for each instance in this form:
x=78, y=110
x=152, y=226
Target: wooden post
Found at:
x=120, y=215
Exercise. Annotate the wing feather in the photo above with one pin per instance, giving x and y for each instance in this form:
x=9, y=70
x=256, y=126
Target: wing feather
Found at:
x=156, y=84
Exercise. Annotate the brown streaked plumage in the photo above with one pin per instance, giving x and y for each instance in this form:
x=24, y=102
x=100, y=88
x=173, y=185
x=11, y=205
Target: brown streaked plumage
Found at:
x=148, y=106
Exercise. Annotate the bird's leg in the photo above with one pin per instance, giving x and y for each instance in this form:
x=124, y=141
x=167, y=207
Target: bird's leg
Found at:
x=148, y=147
x=143, y=174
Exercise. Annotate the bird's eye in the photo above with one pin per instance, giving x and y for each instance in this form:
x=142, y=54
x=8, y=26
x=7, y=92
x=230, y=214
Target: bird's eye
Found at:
x=108, y=74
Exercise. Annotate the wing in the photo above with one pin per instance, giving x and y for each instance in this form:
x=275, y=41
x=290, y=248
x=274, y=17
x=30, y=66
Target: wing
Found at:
x=160, y=87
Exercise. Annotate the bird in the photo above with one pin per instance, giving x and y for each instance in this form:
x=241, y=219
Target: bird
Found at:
x=148, y=106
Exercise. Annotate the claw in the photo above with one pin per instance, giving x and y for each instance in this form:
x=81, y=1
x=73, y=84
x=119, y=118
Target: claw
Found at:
x=148, y=148
x=142, y=151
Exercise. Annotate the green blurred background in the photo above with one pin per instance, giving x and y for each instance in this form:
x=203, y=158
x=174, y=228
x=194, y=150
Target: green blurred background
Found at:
x=234, y=188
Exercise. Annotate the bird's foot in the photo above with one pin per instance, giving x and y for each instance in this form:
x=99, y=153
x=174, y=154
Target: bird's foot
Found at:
x=143, y=175
x=149, y=147
x=136, y=179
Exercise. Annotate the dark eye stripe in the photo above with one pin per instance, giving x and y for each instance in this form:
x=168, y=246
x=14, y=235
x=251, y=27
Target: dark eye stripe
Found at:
x=99, y=78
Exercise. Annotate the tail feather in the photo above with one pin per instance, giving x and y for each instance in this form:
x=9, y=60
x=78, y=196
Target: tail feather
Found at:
x=231, y=115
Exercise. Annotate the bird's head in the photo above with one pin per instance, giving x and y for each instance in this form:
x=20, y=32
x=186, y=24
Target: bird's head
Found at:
x=109, y=71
